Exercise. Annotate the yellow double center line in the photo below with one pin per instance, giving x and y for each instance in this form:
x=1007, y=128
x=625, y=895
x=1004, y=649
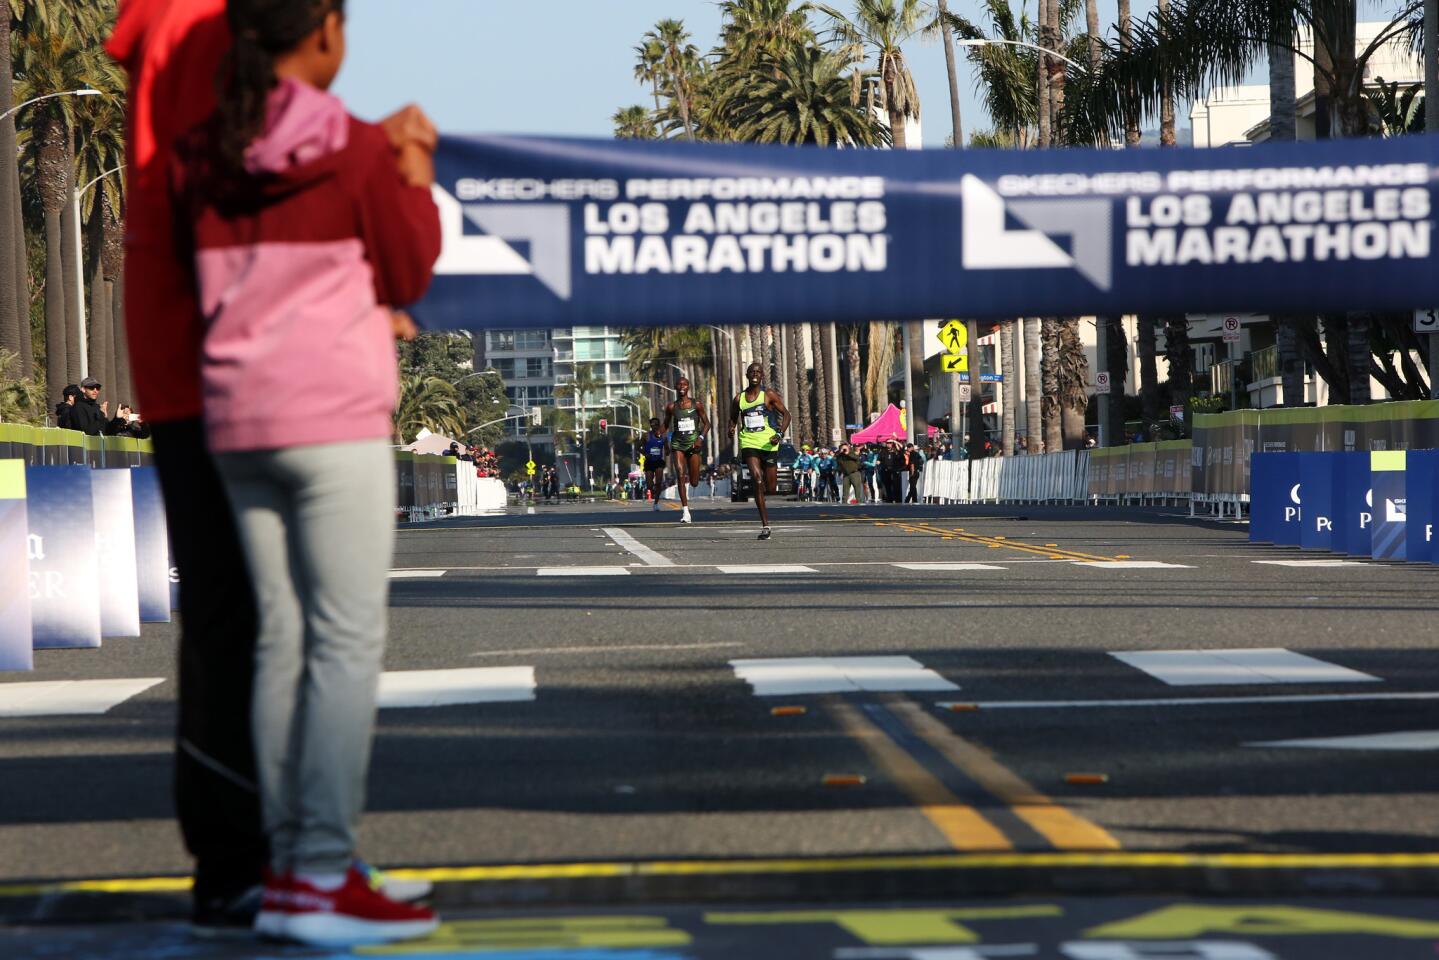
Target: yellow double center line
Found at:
x=1051, y=553
x=963, y=826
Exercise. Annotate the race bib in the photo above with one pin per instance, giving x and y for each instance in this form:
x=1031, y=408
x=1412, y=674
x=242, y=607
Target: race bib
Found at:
x=687, y=425
x=754, y=420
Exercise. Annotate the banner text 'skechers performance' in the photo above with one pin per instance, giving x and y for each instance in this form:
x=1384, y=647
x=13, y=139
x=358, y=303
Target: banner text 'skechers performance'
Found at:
x=547, y=232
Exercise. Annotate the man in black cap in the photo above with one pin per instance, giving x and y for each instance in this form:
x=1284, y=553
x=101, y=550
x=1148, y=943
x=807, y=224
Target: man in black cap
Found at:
x=88, y=415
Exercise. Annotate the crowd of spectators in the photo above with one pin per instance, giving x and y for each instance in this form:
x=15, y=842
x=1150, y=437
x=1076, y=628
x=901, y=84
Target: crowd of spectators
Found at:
x=487, y=462
x=82, y=409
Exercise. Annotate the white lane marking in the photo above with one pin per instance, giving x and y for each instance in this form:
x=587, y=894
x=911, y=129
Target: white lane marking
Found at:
x=651, y=557
x=1402, y=740
x=1310, y=563
x=1187, y=668
x=941, y=567
x=583, y=572
x=1192, y=701
x=60, y=698
x=445, y=688
x=767, y=568
x=1131, y=565
x=787, y=676
x=533, y=651
x=415, y=574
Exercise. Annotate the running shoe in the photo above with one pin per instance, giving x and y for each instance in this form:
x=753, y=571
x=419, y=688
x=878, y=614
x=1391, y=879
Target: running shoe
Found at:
x=227, y=917
x=274, y=905
x=352, y=915
x=402, y=891
x=685, y=517
x=764, y=534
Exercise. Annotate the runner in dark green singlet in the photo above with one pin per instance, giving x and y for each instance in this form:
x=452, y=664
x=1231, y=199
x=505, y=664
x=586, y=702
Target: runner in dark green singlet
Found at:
x=688, y=424
x=750, y=414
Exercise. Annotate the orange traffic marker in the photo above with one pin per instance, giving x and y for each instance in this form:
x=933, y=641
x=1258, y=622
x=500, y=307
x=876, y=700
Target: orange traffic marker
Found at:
x=1085, y=779
x=788, y=712
x=963, y=707
x=844, y=780
x=1051, y=544
x=1121, y=556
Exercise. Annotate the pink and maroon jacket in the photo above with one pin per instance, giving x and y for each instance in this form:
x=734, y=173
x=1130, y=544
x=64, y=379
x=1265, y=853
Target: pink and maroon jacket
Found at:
x=296, y=263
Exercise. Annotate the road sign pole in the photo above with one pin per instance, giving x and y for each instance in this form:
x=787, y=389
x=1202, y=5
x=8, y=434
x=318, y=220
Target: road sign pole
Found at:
x=908, y=387
x=1101, y=362
x=1433, y=366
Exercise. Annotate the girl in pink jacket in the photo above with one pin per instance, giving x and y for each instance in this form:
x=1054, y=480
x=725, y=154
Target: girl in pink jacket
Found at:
x=307, y=227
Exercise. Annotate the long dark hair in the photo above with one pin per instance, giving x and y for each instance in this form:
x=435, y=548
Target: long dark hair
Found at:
x=260, y=30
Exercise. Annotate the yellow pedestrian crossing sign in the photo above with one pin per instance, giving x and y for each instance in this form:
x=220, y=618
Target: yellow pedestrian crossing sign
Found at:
x=954, y=363
x=530, y=468
x=954, y=336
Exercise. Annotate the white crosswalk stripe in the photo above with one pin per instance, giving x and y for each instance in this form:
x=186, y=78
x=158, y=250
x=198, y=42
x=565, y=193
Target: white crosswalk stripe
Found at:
x=789, y=676
x=766, y=568
x=1131, y=565
x=413, y=574
x=582, y=572
x=1302, y=564
x=59, y=698
x=1403, y=740
x=1189, y=668
x=447, y=688
x=947, y=567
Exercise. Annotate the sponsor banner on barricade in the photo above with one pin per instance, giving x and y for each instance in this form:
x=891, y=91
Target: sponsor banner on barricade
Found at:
x=404, y=479
x=17, y=642
x=1276, y=505
x=64, y=566
x=1389, y=532
x=115, y=549
x=152, y=546
x=1421, y=486
x=1320, y=484
x=1355, y=506
x=548, y=232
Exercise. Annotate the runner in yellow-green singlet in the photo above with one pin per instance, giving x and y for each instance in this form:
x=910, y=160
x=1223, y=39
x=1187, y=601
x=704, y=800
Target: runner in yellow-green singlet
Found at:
x=751, y=415
x=688, y=424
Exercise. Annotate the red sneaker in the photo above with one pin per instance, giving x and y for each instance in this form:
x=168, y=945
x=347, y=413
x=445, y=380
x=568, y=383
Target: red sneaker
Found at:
x=352, y=915
x=274, y=906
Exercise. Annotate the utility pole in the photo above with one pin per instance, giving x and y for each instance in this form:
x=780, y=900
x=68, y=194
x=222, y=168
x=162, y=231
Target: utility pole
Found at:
x=908, y=386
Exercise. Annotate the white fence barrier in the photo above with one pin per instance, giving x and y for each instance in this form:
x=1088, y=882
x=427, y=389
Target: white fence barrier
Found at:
x=1047, y=478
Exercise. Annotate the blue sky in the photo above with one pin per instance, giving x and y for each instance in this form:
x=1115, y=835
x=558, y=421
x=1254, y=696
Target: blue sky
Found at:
x=563, y=66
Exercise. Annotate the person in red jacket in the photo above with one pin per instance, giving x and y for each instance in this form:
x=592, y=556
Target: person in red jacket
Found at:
x=307, y=229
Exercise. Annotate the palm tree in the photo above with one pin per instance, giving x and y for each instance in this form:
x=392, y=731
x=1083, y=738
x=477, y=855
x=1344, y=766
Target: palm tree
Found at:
x=98, y=160
x=822, y=415
x=798, y=387
x=752, y=30
x=634, y=123
x=429, y=403
x=1010, y=334
x=956, y=124
x=1006, y=72
x=852, y=360
x=802, y=97
x=880, y=363
x=649, y=65
x=678, y=64
x=1033, y=386
x=21, y=399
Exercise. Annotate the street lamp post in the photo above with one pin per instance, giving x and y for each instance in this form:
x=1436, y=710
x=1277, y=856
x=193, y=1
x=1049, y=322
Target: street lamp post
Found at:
x=82, y=92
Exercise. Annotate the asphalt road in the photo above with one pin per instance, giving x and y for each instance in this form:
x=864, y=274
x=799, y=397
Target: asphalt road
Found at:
x=631, y=712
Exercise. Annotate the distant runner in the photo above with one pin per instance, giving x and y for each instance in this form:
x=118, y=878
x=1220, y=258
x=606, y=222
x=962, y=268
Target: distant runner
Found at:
x=751, y=413
x=655, y=446
x=688, y=424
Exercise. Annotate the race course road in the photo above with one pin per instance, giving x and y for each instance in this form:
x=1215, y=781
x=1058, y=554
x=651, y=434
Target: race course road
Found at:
x=604, y=685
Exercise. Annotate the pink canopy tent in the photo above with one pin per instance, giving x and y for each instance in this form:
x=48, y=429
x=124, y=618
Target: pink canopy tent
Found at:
x=889, y=426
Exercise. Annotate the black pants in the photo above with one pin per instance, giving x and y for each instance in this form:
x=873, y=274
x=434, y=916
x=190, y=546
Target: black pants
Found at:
x=913, y=495
x=215, y=795
x=889, y=482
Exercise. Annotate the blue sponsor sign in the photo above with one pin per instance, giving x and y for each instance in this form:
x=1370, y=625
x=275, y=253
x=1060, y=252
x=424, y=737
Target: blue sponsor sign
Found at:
x=1421, y=483
x=152, y=546
x=1276, y=507
x=1321, y=481
x=1356, y=503
x=543, y=232
x=115, y=549
x=16, y=639
x=64, y=568
x=1389, y=532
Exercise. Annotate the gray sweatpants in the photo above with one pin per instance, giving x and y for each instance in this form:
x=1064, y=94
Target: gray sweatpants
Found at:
x=318, y=526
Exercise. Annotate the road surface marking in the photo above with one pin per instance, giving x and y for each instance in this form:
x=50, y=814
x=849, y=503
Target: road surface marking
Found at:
x=533, y=651
x=447, y=688
x=958, y=533
x=1190, y=701
x=415, y=574
x=582, y=571
x=1310, y=563
x=789, y=676
x=943, y=567
x=1403, y=740
x=1062, y=827
x=963, y=826
x=1187, y=668
x=1131, y=565
x=651, y=557
x=63, y=698
x=766, y=568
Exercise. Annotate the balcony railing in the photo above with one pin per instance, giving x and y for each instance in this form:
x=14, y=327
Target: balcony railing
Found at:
x=1265, y=363
x=1221, y=376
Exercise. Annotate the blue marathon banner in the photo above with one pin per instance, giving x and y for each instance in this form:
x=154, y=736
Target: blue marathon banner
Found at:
x=1421, y=483
x=152, y=546
x=546, y=232
x=115, y=549
x=1389, y=531
x=1355, y=500
x=64, y=570
x=1321, y=480
x=1276, y=510
x=16, y=639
